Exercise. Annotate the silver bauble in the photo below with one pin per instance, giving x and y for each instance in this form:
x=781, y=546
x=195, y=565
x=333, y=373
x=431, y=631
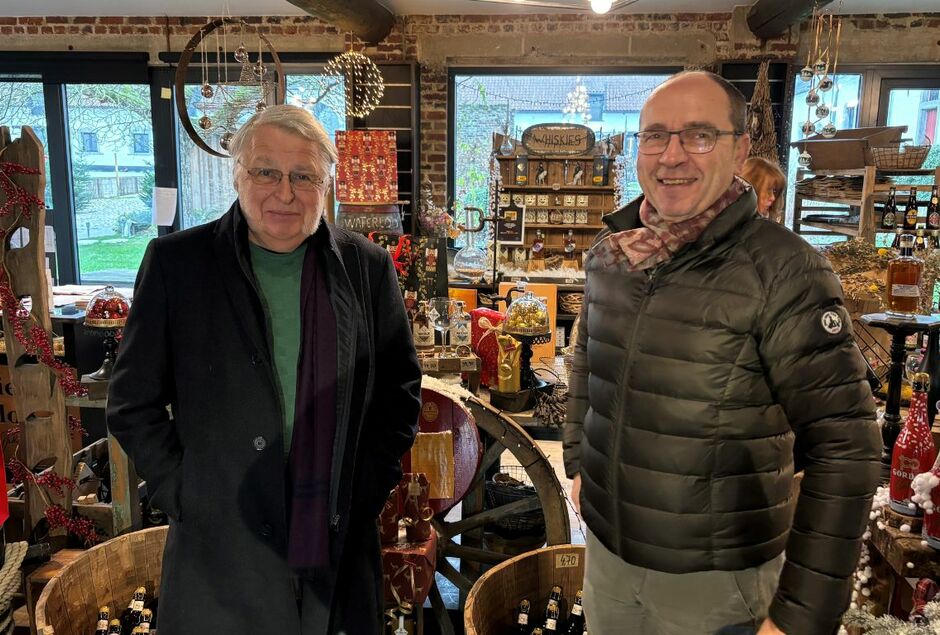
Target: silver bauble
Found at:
x=241, y=54
x=806, y=159
x=812, y=98
x=204, y=122
x=806, y=73
x=207, y=91
x=259, y=69
x=829, y=130
x=825, y=84
x=822, y=111
x=819, y=67
x=260, y=106
x=226, y=140
x=808, y=128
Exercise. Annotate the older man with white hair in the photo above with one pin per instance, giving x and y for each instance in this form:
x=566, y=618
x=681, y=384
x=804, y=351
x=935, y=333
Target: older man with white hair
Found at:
x=282, y=346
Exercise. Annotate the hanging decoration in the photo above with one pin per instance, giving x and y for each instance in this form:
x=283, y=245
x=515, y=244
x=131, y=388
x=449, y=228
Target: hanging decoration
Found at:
x=577, y=103
x=819, y=71
x=362, y=82
x=226, y=98
x=760, y=119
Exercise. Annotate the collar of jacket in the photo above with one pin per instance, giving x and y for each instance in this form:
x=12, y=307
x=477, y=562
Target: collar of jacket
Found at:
x=739, y=212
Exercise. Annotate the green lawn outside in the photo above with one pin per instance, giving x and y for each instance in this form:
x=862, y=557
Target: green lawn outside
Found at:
x=101, y=256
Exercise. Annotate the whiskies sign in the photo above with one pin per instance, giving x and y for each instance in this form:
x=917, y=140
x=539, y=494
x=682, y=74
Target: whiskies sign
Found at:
x=557, y=138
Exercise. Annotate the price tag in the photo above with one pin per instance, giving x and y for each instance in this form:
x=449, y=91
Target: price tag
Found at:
x=567, y=560
x=431, y=364
x=570, y=281
x=468, y=364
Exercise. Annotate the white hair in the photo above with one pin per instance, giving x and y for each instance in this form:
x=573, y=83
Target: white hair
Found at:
x=294, y=120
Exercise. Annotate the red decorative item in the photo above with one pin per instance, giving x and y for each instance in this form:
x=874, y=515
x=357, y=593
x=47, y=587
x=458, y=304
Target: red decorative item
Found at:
x=408, y=570
x=415, y=511
x=914, y=450
x=925, y=591
x=483, y=341
x=17, y=197
x=367, y=171
x=107, y=309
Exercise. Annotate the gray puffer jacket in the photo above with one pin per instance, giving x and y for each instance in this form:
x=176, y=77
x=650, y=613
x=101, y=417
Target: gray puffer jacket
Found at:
x=691, y=383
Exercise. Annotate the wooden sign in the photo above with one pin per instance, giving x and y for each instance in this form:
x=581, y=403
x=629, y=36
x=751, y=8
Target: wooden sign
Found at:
x=558, y=138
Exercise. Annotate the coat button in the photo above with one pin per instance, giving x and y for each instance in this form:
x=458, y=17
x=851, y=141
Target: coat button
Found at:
x=254, y=360
x=260, y=443
x=267, y=530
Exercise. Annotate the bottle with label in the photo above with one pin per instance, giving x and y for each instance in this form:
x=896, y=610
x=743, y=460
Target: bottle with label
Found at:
x=914, y=449
x=576, y=624
x=423, y=329
x=131, y=615
x=146, y=620
x=933, y=210
x=114, y=628
x=933, y=240
x=889, y=211
x=552, y=613
x=538, y=245
x=460, y=333
x=896, y=245
x=570, y=244
x=903, y=280
x=920, y=243
x=104, y=616
x=522, y=618
x=910, y=211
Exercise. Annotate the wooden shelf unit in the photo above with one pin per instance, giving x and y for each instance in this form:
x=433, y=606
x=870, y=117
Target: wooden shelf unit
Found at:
x=872, y=192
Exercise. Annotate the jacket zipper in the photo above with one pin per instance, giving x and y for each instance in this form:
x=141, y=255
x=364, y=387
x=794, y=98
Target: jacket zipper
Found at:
x=613, y=477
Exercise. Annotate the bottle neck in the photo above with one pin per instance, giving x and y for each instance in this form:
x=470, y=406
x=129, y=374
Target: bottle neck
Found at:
x=917, y=413
x=907, y=251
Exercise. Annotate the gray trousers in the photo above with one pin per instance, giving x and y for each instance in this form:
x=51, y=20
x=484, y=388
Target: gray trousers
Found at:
x=620, y=598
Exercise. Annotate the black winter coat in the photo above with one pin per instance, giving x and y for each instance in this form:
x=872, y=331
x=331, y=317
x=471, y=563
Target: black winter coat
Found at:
x=691, y=382
x=197, y=339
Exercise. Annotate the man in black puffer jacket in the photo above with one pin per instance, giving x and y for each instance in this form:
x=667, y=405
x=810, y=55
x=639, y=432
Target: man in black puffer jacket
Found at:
x=711, y=340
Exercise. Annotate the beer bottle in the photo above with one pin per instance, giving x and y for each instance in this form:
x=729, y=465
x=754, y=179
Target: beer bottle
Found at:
x=114, y=628
x=576, y=619
x=104, y=615
x=552, y=614
x=910, y=212
x=423, y=329
x=537, y=630
x=889, y=211
x=933, y=210
x=131, y=615
x=522, y=619
x=146, y=618
x=920, y=243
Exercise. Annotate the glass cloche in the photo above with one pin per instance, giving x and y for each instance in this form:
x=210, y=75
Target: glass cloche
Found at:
x=107, y=309
x=527, y=315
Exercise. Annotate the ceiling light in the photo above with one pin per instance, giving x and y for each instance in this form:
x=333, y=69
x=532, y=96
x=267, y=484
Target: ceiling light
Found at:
x=601, y=6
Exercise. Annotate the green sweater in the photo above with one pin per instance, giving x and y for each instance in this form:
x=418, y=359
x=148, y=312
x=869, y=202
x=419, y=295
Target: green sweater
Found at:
x=279, y=277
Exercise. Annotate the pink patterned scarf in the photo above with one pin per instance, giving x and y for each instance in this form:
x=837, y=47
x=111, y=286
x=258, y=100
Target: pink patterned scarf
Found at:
x=658, y=240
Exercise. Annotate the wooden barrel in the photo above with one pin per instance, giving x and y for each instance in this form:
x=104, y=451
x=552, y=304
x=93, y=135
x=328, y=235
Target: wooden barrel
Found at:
x=107, y=574
x=493, y=600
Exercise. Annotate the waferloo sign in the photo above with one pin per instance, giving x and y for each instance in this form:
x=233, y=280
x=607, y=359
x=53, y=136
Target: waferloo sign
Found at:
x=558, y=138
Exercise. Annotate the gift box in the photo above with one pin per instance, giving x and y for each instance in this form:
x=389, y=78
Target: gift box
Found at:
x=483, y=331
x=367, y=171
x=408, y=570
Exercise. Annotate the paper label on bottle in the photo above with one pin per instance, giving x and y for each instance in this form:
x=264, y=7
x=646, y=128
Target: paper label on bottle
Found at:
x=888, y=219
x=461, y=334
x=536, y=247
x=905, y=290
x=138, y=606
x=424, y=335
x=102, y=625
x=551, y=623
x=523, y=619
x=576, y=609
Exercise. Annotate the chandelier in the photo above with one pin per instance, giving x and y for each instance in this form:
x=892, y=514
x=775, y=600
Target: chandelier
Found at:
x=577, y=103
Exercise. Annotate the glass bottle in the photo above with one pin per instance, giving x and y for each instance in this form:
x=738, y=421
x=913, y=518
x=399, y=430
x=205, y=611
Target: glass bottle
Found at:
x=889, y=211
x=933, y=210
x=114, y=628
x=904, y=274
x=930, y=364
x=522, y=618
x=104, y=616
x=910, y=211
x=920, y=243
x=913, y=450
x=423, y=329
x=538, y=245
x=896, y=245
x=460, y=333
x=131, y=615
x=552, y=613
x=146, y=619
x=576, y=624
x=570, y=244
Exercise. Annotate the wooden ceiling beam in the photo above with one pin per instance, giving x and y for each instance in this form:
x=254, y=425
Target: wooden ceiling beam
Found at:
x=366, y=19
x=770, y=18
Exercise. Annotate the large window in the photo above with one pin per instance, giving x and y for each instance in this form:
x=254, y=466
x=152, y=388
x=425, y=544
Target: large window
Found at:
x=22, y=104
x=112, y=180
x=487, y=103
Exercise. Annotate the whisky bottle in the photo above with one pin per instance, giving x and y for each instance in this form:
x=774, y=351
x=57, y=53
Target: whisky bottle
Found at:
x=933, y=210
x=576, y=622
x=538, y=245
x=904, y=274
x=423, y=329
x=461, y=333
x=910, y=211
x=914, y=450
x=522, y=618
x=889, y=211
x=104, y=616
x=570, y=244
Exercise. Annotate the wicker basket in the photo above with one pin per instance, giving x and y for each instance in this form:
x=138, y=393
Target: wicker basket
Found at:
x=106, y=574
x=899, y=157
x=492, y=601
x=570, y=302
x=508, y=487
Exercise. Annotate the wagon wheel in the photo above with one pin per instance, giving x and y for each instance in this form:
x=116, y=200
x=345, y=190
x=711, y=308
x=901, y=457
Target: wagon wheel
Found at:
x=501, y=434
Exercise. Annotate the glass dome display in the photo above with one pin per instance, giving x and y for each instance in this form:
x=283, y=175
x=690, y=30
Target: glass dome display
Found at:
x=526, y=315
x=107, y=309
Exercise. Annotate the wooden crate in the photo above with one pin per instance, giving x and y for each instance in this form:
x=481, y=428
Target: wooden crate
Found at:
x=106, y=574
x=493, y=600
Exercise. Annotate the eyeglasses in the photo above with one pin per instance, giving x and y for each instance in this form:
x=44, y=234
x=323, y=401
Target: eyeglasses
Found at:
x=268, y=177
x=693, y=140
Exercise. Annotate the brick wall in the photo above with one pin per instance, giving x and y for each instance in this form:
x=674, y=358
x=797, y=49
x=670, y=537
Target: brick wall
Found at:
x=440, y=42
